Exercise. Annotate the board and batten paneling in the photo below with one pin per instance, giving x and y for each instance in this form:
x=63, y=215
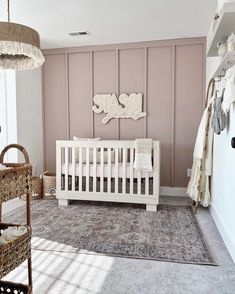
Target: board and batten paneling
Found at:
x=104, y=81
x=131, y=79
x=170, y=74
x=160, y=104
x=188, y=106
x=55, y=106
x=79, y=90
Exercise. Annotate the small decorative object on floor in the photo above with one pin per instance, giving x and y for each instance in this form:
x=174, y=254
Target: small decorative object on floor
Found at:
x=49, y=185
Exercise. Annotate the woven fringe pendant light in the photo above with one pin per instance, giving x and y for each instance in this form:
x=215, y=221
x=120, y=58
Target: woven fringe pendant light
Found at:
x=19, y=46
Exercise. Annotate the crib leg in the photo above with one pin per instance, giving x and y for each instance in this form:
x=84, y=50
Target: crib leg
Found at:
x=63, y=202
x=151, y=207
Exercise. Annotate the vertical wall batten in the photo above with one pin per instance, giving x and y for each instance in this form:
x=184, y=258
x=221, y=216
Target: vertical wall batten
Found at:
x=172, y=175
x=67, y=94
x=117, y=88
x=43, y=119
x=92, y=91
x=145, y=96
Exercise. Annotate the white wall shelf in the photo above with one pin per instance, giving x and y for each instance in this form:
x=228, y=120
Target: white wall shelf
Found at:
x=223, y=27
x=226, y=62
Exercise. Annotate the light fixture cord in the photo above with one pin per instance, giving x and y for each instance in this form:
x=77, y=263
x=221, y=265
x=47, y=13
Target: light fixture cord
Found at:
x=8, y=10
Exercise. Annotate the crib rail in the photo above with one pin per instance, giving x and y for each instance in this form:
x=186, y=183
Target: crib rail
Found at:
x=104, y=170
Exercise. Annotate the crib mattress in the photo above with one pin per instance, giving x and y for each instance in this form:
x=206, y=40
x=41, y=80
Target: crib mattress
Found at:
x=98, y=170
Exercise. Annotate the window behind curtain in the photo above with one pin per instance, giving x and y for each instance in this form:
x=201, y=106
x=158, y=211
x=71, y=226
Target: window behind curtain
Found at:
x=8, y=119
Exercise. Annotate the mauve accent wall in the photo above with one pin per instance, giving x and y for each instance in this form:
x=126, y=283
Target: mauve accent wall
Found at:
x=169, y=73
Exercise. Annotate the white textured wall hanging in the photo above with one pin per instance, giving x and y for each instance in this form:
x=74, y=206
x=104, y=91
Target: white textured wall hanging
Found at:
x=126, y=106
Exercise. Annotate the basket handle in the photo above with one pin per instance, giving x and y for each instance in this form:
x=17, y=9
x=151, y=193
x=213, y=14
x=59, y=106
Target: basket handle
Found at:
x=17, y=146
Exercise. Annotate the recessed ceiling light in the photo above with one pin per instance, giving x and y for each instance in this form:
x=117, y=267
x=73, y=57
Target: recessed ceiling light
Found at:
x=81, y=33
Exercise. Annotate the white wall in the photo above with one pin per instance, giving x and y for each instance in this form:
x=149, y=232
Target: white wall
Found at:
x=223, y=179
x=29, y=116
x=223, y=184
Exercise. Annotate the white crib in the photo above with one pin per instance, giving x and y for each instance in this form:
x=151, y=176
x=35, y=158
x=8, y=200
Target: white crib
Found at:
x=104, y=171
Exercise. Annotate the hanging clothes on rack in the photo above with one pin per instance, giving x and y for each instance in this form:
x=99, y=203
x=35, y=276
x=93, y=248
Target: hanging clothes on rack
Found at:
x=229, y=93
x=199, y=184
x=219, y=119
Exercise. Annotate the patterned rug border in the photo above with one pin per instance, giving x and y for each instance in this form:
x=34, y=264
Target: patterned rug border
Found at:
x=94, y=250
x=126, y=256
x=203, y=238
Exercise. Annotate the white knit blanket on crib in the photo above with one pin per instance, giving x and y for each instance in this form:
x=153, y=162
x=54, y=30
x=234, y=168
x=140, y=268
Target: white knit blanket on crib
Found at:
x=143, y=152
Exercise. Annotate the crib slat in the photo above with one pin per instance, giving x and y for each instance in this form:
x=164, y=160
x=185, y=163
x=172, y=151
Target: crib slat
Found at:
x=73, y=169
x=58, y=168
x=94, y=169
x=80, y=170
x=146, y=184
x=66, y=167
x=124, y=159
x=139, y=182
x=116, y=170
x=102, y=170
x=87, y=169
x=109, y=170
x=156, y=173
x=131, y=169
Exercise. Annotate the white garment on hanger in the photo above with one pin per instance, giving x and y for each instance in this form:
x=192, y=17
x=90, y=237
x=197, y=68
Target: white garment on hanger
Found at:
x=229, y=93
x=199, y=188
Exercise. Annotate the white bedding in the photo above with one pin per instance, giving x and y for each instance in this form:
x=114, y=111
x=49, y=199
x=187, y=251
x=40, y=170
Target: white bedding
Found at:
x=98, y=170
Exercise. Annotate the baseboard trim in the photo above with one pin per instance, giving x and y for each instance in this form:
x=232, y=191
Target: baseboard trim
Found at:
x=173, y=191
x=225, y=233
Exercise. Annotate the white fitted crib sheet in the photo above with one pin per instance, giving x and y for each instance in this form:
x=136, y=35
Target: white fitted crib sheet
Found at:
x=105, y=174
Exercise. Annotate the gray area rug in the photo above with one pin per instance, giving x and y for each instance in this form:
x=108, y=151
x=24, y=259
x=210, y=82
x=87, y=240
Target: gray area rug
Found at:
x=171, y=234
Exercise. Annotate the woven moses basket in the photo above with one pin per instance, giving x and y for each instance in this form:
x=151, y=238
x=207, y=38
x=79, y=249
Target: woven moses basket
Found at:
x=15, y=181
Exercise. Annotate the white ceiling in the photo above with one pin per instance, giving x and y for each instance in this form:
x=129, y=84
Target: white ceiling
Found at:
x=111, y=21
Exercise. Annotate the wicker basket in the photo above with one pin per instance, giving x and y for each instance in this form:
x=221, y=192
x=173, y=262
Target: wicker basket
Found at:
x=49, y=185
x=14, y=288
x=36, y=189
x=15, y=252
x=17, y=179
